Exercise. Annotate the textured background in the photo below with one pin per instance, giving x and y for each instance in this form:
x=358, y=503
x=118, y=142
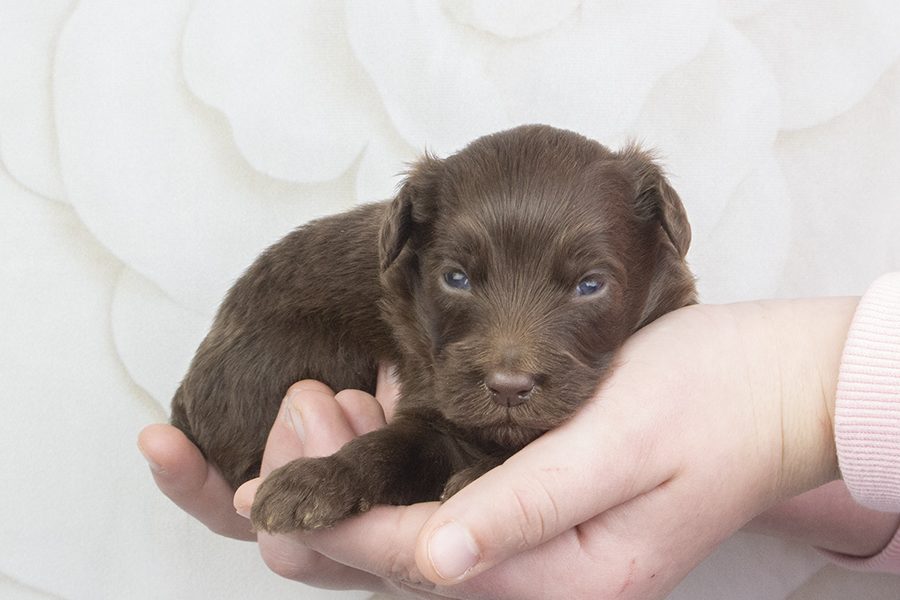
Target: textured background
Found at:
x=151, y=149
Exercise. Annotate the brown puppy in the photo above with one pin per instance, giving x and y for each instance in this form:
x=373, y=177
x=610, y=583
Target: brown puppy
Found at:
x=500, y=281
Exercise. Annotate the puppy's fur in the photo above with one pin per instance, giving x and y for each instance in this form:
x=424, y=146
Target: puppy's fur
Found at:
x=531, y=254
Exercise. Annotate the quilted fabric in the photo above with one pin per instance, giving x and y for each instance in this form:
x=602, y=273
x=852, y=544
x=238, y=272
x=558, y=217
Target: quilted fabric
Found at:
x=151, y=149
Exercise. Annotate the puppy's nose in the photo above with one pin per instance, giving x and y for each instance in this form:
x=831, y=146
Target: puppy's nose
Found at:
x=508, y=388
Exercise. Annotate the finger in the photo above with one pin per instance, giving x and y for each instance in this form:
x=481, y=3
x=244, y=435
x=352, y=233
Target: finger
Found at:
x=182, y=474
x=380, y=542
x=361, y=410
x=285, y=441
x=310, y=423
x=387, y=390
x=633, y=551
x=244, y=495
x=323, y=426
x=290, y=557
x=601, y=458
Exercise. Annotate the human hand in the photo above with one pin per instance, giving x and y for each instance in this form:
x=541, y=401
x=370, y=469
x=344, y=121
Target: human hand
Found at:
x=184, y=476
x=182, y=473
x=713, y=414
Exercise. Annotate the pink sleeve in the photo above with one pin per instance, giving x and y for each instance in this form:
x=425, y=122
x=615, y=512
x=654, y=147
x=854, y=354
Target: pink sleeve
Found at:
x=867, y=412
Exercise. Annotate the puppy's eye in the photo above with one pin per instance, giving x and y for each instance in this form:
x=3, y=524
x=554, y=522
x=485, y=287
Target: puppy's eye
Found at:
x=457, y=280
x=589, y=286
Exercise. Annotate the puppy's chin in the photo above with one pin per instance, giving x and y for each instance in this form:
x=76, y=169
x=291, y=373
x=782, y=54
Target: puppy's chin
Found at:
x=510, y=428
x=510, y=435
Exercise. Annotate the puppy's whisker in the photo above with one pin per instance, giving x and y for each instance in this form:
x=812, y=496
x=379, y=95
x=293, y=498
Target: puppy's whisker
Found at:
x=581, y=363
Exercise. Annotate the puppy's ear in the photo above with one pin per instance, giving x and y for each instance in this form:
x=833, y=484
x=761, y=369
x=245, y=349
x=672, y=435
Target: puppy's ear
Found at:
x=655, y=199
x=413, y=207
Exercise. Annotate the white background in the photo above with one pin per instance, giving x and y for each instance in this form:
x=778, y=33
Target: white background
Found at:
x=151, y=149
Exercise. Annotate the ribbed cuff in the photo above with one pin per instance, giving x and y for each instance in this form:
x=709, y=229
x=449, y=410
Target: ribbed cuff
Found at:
x=867, y=405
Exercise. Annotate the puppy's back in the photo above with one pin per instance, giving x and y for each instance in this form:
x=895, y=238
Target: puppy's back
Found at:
x=307, y=308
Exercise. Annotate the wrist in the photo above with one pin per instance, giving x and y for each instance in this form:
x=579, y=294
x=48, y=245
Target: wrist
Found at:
x=806, y=339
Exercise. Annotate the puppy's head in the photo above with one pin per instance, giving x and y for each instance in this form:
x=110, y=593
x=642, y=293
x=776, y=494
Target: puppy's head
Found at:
x=515, y=268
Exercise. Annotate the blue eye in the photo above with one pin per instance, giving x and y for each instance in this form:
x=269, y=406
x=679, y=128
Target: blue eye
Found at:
x=589, y=285
x=457, y=280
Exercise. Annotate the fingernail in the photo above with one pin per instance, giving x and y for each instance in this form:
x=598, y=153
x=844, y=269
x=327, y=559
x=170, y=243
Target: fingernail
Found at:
x=244, y=511
x=154, y=466
x=388, y=371
x=452, y=551
x=284, y=413
x=296, y=417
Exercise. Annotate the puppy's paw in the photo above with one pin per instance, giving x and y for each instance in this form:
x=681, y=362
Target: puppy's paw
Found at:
x=309, y=493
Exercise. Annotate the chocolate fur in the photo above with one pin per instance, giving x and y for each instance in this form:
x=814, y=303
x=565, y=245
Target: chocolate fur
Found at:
x=526, y=214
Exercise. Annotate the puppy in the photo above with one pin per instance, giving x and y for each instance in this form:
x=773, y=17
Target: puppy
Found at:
x=500, y=281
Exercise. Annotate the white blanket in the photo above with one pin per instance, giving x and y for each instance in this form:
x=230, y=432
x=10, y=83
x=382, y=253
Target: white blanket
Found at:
x=151, y=149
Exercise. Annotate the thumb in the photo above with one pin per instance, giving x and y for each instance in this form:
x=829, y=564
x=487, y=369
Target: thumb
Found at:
x=601, y=458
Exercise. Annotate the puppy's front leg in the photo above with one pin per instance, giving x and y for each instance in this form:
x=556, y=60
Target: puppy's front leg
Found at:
x=404, y=462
